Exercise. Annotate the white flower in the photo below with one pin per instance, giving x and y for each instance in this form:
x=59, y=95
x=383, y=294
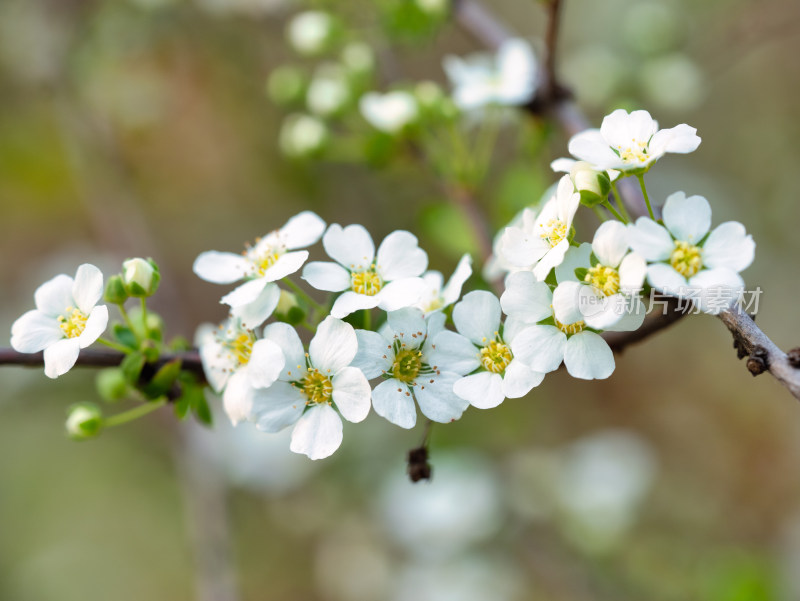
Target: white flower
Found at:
x=140, y=277
x=687, y=263
x=438, y=296
x=558, y=331
x=312, y=387
x=302, y=135
x=389, y=112
x=507, y=79
x=402, y=356
x=631, y=142
x=236, y=363
x=272, y=258
x=389, y=280
x=480, y=345
x=328, y=91
x=66, y=319
x=542, y=245
x=615, y=279
x=309, y=32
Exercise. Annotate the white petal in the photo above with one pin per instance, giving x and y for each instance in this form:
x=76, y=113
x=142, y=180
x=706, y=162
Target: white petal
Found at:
x=95, y=326
x=520, y=379
x=452, y=289
x=333, y=346
x=540, y=347
x=245, y=294
x=521, y=248
x=285, y=336
x=573, y=259
x=401, y=293
x=610, y=243
x=277, y=407
x=526, y=299
x=436, y=399
x=375, y=354
x=88, y=287
x=729, y=246
x=632, y=319
x=588, y=357
x=286, y=264
x=632, y=272
x=217, y=365
x=302, y=230
x=477, y=316
x=237, y=399
x=453, y=352
x=351, y=393
x=266, y=363
x=608, y=312
x=254, y=314
x=483, y=390
x=568, y=302
x=54, y=296
x=351, y=247
x=553, y=258
x=324, y=275
x=409, y=325
x=650, y=240
x=349, y=302
x=562, y=165
x=392, y=401
x=665, y=279
x=680, y=139
x=60, y=357
x=34, y=331
x=318, y=433
x=590, y=146
x=716, y=289
x=687, y=219
x=220, y=267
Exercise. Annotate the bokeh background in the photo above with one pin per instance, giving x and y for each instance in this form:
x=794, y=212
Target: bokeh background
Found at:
x=142, y=127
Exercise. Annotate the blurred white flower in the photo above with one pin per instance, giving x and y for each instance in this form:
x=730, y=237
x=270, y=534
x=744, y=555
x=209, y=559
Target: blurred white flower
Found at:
x=302, y=135
x=389, y=112
x=329, y=90
x=309, y=32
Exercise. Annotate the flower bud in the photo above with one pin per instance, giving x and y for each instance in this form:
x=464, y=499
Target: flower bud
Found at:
x=429, y=95
x=358, y=58
x=111, y=384
x=303, y=136
x=286, y=85
x=592, y=185
x=433, y=8
x=115, y=292
x=85, y=420
x=329, y=91
x=310, y=32
x=141, y=277
x=288, y=309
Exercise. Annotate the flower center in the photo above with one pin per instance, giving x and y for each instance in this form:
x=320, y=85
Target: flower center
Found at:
x=73, y=324
x=242, y=346
x=637, y=152
x=554, y=231
x=265, y=261
x=570, y=328
x=366, y=282
x=317, y=387
x=407, y=365
x=435, y=303
x=495, y=357
x=686, y=259
x=605, y=279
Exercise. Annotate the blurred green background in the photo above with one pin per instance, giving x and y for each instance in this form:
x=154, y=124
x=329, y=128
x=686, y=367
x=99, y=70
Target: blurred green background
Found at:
x=141, y=127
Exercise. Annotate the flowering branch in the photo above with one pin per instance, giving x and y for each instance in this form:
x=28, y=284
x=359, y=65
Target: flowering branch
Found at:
x=749, y=340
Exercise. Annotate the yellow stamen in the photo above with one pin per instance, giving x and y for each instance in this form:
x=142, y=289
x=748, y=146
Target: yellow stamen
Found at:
x=553, y=232
x=407, y=365
x=495, y=357
x=242, y=346
x=366, y=282
x=686, y=259
x=571, y=328
x=74, y=324
x=638, y=152
x=603, y=278
x=317, y=387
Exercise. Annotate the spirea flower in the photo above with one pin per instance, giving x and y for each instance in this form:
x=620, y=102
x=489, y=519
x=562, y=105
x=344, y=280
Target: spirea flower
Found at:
x=509, y=78
x=686, y=261
x=236, y=363
x=402, y=356
x=67, y=318
x=438, y=295
x=329, y=90
x=631, y=143
x=389, y=280
x=541, y=246
x=302, y=135
x=272, y=257
x=314, y=388
x=309, y=32
x=481, y=345
x=557, y=332
x=390, y=112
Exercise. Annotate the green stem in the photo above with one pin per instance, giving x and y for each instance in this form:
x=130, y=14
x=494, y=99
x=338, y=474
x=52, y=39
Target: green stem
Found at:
x=144, y=316
x=618, y=199
x=367, y=319
x=114, y=345
x=300, y=292
x=646, y=197
x=613, y=211
x=126, y=318
x=134, y=414
x=600, y=215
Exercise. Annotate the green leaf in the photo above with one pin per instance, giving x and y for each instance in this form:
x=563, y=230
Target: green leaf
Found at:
x=594, y=260
x=182, y=406
x=124, y=335
x=581, y=273
x=200, y=407
x=131, y=367
x=163, y=380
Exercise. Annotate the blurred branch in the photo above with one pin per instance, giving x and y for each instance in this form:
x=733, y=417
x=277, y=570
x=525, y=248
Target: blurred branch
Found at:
x=556, y=103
